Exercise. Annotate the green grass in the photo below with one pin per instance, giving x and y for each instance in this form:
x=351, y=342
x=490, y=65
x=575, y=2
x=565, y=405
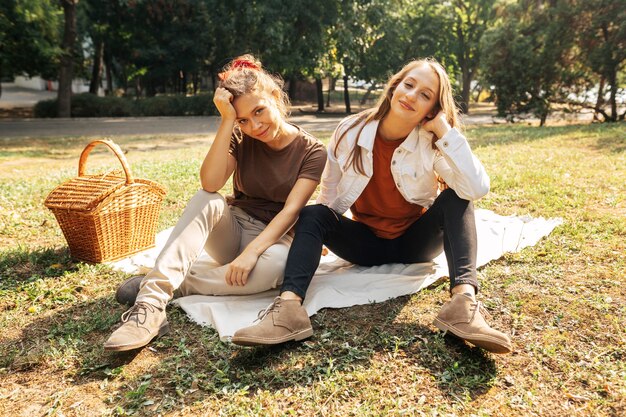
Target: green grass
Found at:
x=562, y=300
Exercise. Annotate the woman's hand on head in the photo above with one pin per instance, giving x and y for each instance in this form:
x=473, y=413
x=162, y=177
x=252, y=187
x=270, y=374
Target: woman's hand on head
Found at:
x=239, y=269
x=438, y=125
x=223, y=100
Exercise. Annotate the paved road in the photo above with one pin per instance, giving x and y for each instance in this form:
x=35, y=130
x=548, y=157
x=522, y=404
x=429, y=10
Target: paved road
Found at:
x=13, y=96
x=16, y=128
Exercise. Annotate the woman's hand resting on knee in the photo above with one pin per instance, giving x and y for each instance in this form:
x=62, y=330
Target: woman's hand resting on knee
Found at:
x=239, y=269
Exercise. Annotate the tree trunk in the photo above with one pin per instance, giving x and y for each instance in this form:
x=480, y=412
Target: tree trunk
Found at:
x=475, y=94
x=320, y=94
x=331, y=87
x=292, y=87
x=183, y=80
x=346, y=94
x=66, y=71
x=196, y=81
x=96, y=71
x=150, y=87
x=109, y=72
x=600, y=99
x=612, y=100
x=465, y=92
x=367, y=94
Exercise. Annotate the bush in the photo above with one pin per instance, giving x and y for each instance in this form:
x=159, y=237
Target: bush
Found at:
x=46, y=108
x=89, y=105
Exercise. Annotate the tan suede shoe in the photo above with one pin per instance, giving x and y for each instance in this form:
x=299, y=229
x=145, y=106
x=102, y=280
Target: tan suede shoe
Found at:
x=282, y=321
x=462, y=317
x=141, y=323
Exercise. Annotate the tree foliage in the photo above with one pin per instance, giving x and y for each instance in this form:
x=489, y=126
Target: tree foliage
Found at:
x=29, y=37
x=601, y=32
x=534, y=53
x=529, y=61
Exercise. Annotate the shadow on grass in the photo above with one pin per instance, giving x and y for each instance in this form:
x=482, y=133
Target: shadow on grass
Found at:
x=22, y=265
x=349, y=339
x=194, y=361
x=67, y=338
x=613, y=144
x=76, y=320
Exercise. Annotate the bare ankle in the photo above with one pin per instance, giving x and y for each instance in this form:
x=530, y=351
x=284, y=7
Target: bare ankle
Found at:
x=288, y=295
x=466, y=289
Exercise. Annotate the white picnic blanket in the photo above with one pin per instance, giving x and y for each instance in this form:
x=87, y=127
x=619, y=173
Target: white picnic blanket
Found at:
x=338, y=283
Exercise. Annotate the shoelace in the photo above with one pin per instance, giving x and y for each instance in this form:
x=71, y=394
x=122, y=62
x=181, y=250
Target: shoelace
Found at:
x=138, y=310
x=478, y=306
x=272, y=307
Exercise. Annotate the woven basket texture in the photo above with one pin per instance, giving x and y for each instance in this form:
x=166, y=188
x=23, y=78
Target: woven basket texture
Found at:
x=108, y=216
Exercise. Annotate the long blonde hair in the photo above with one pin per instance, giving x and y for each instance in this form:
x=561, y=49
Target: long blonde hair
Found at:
x=445, y=102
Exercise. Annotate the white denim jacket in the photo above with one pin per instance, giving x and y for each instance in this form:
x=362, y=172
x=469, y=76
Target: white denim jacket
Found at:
x=414, y=166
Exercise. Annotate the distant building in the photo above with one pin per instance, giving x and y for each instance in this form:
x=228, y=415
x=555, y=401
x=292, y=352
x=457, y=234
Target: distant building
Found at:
x=79, y=85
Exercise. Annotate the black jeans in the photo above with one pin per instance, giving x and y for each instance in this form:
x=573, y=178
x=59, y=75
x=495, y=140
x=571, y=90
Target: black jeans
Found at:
x=448, y=224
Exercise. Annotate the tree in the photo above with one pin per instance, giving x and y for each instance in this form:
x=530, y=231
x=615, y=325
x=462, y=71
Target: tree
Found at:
x=602, y=42
x=95, y=24
x=469, y=20
x=29, y=38
x=168, y=42
x=68, y=53
x=360, y=25
x=529, y=62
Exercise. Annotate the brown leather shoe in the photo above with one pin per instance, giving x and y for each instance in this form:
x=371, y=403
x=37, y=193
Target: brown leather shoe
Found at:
x=462, y=317
x=141, y=323
x=282, y=321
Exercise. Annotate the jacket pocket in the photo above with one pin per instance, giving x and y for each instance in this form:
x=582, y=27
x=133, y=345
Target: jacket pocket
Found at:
x=416, y=185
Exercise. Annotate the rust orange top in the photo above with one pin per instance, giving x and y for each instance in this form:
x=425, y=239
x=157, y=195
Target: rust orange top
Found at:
x=381, y=206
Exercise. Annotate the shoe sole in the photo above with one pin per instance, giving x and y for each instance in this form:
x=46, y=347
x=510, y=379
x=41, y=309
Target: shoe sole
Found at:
x=259, y=341
x=486, y=342
x=163, y=330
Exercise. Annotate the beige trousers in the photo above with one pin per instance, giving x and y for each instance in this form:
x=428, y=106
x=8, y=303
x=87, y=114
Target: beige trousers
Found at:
x=224, y=232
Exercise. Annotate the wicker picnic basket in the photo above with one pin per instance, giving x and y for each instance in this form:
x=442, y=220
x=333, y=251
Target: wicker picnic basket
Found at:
x=108, y=216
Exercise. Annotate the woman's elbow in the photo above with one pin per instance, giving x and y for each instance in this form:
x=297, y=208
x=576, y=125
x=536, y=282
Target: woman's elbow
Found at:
x=481, y=190
x=210, y=186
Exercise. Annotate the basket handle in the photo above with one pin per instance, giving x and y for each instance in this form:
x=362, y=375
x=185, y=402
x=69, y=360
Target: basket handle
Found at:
x=116, y=150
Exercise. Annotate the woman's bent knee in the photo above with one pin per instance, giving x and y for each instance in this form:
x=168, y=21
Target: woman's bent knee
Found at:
x=317, y=214
x=207, y=197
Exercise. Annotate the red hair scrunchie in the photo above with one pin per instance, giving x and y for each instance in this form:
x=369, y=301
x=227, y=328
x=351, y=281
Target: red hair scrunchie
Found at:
x=238, y=63
x=244, y=63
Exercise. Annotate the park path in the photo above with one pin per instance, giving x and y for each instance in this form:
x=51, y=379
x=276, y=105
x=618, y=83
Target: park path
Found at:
x=13, y=96
x=91, y=127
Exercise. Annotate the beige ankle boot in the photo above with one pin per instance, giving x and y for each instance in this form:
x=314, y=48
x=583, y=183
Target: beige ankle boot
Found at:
x=282, y=321
x=141, y=323
x=462, y=317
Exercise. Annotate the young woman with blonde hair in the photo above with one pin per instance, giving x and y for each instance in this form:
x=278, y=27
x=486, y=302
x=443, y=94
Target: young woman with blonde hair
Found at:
x=409, y=177
x=275, y=166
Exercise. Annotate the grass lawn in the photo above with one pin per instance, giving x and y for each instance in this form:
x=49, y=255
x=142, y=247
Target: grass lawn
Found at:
x=563, y=301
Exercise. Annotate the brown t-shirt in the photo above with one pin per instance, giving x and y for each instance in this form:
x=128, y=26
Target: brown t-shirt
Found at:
x=264, y=177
